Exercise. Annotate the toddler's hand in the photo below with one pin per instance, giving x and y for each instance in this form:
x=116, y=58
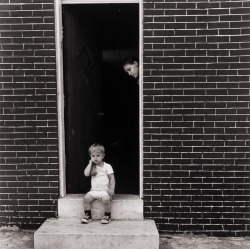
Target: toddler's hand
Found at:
x=111, y=192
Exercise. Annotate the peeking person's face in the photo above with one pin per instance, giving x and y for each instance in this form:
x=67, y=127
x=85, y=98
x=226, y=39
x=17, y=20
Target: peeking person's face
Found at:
x=132, y=69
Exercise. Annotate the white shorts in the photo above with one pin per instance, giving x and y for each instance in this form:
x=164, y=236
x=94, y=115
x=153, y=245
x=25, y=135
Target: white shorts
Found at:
x=98, y=194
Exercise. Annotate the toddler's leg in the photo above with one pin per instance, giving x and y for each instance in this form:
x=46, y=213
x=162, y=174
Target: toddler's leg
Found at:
x=107, y=207
x=106, y=203
x=87, y=200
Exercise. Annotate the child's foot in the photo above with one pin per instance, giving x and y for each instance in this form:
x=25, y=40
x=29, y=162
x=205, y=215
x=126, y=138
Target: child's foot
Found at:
x=86, y=219
x=105, y=220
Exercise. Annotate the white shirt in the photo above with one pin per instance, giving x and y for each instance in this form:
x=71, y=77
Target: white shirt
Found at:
x=101, y=180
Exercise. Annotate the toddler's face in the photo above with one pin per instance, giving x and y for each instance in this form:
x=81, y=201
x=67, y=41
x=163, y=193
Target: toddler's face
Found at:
x=132, y=69
x=97, y=157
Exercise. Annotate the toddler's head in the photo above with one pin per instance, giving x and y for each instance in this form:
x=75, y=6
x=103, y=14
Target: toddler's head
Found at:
x=96, y=148
x=95, y=151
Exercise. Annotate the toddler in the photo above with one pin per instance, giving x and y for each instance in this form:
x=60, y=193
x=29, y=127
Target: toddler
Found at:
x=102, y=183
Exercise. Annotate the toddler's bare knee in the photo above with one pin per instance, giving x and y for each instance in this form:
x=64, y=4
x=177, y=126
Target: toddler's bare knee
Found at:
x=87, y=199
x=106, y=199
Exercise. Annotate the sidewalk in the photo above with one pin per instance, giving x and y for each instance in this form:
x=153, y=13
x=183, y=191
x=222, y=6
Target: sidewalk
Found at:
x=13, y=238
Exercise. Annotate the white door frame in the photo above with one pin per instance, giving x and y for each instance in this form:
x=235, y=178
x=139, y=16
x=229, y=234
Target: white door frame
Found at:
x=60, y=93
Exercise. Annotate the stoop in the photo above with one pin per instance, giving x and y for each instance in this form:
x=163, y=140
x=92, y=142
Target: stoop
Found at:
x=124, y=207
x=127, y=229
x=118, y=234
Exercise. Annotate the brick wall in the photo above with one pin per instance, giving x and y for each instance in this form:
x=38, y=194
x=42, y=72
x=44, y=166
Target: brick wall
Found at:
x=28, y=139
x=196, y=115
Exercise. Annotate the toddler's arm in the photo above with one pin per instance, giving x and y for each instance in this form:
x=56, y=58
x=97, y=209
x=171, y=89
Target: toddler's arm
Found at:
x=111, y=190
x=87, y=170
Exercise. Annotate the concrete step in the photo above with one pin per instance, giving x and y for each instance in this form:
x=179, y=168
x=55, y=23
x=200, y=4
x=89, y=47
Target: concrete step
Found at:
x=118, y=234
x=124, y=207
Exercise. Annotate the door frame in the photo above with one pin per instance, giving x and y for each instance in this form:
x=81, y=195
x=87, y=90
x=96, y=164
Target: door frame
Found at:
x=60, y=92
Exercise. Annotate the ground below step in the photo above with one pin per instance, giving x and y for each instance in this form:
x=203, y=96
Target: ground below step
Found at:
x=119, y=234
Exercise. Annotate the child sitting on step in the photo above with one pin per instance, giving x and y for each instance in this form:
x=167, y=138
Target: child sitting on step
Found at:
x=102, y=183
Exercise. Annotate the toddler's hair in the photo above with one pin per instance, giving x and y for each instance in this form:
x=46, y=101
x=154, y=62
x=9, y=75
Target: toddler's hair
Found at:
x=93, y=148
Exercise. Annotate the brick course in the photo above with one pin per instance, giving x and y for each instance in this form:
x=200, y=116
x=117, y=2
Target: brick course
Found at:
x=29, y=153
x=196, y=116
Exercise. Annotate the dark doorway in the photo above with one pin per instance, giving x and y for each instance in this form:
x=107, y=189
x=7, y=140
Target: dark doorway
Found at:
x=101, y=101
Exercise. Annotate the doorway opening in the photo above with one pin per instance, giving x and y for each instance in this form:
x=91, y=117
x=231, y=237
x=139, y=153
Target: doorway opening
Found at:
x=101, y=101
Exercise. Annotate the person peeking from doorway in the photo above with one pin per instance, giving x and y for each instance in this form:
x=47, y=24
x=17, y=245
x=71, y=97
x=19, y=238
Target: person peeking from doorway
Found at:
x=102, y=183
x=131, y=67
